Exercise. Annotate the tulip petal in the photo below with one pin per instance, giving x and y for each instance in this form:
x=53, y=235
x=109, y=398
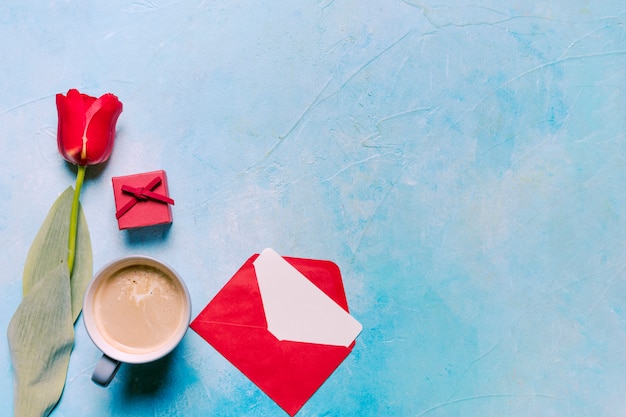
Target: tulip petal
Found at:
x=100, y=129
x=95, y=146
x=71, y=125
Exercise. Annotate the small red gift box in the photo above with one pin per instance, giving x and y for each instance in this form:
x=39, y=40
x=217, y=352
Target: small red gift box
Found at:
x=142, y=200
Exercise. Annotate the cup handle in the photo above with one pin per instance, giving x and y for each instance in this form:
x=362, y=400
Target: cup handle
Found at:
x=106, y=368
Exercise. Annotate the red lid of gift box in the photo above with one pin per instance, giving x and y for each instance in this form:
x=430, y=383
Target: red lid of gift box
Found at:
x=142, y=200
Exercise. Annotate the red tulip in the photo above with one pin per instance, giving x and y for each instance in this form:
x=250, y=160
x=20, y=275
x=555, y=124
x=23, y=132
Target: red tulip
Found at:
x=86, y=126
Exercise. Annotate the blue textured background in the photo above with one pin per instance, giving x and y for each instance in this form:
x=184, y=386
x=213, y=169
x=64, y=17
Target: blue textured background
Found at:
x=464, y=163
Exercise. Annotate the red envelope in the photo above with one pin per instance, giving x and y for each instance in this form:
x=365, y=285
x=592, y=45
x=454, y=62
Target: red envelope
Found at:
x=234, y=323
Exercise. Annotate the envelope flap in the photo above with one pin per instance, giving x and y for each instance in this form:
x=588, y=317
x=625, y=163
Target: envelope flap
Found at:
x=288, y=372
x=238, y=302
x=325, y=275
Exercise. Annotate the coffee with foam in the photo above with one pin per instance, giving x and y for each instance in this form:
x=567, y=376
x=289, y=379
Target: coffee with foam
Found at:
x=139, y=308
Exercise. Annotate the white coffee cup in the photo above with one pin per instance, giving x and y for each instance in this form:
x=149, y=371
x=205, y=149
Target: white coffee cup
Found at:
x=136, y=310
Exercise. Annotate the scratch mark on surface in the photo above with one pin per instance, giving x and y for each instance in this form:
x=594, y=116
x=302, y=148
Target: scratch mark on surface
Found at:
x=362, y=161
x=543, y=66
x=370, y=140
x=483, y=397
x=18, y=106
x=407, y=113
x=82, y=372
x=146, y=6
x=347, y=40
x=499, y=16
x=370, y=61
x=532, y=308
x=327, y=4
x=608, y=286
x=140, y=6
x=557, y=198
x=320, y=98
x=615, y=138
x=471, y=365
x=507, y=17
x=169, y=40
x=47, y=96
x=529, y=152
x=394, y=340
x=368, y=222
x=579, y=40
x=300, y=119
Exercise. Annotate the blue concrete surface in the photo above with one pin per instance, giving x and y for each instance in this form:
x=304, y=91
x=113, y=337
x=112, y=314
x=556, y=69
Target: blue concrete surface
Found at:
x=464, y=163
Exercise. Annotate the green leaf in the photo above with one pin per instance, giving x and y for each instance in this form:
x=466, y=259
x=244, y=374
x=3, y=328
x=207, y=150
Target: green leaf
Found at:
x=41, y=336
x=50, y=249
x=41, y=332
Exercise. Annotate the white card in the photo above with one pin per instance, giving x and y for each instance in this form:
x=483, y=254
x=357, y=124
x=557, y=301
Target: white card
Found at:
x=296, y=310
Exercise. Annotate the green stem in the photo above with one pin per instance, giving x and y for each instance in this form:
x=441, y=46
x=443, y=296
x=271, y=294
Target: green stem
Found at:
x=80, y=177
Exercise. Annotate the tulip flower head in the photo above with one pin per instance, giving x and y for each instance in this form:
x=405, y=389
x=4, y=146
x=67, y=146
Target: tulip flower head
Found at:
x=86, y=131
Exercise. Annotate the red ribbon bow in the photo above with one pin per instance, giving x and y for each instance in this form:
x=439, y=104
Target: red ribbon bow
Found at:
x=142, y=194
